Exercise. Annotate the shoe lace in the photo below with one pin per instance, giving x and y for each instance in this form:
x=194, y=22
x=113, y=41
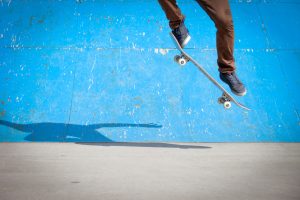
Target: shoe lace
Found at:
x=230, y=77
x=237, y=79
x=177, y=31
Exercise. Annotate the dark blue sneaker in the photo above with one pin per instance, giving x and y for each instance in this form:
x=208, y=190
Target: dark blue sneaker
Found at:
x=236, y=86
x=182, y=35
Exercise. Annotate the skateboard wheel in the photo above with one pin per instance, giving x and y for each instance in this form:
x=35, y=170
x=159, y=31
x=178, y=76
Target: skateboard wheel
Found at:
x=227, y=104
x=181, y=61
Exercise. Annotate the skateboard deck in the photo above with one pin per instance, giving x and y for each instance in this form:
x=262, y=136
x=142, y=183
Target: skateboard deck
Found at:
x=226, y=97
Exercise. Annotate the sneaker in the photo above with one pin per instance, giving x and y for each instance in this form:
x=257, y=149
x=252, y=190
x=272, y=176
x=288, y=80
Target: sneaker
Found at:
x=236, y=86
x=182, y=35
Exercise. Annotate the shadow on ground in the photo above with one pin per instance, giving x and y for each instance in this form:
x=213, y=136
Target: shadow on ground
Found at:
x=62, y=132
x=86, y=134
x=146, y=144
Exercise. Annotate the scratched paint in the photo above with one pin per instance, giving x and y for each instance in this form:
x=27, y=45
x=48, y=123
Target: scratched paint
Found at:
x=91, y=72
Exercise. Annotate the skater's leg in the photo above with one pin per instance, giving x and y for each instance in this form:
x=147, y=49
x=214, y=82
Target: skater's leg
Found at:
x=219, y=11
x=176, y=21
x=173, y=12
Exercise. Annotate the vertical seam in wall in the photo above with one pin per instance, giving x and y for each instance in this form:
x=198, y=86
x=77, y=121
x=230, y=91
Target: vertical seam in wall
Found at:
x=286, y=84
x=280, y=64
x=263, y=26
x=289, y=92
x=73, y=86
x=71, y=106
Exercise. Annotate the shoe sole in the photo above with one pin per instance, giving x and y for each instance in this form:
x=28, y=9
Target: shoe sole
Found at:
x=239, y=94
x=187, y=39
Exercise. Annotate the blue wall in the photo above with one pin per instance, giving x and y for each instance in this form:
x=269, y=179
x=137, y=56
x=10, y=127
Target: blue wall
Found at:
x=103, y=70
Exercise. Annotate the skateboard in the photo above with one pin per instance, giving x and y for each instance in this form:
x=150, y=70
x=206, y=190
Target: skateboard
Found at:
x=183, y=58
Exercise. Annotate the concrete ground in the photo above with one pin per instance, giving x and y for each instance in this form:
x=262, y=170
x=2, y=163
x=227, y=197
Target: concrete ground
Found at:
x=132, y=171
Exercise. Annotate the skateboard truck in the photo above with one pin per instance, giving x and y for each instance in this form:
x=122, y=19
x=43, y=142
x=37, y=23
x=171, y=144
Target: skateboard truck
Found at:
x=225, y=100
x=181, y=59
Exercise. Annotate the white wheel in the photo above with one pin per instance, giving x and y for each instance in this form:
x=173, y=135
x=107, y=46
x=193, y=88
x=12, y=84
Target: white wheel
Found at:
x=181, y=61
x=227, y=105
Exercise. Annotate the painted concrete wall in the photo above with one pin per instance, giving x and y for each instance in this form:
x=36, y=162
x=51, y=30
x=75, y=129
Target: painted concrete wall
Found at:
x=103, y=70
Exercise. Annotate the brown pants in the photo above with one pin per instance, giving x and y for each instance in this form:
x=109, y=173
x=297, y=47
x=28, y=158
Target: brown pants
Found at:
x=219, y=11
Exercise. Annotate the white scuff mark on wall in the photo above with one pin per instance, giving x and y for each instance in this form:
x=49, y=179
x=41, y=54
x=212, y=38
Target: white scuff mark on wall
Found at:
x=131, y=113
x=22, y=67
x=19, y=99
x=133, y=45
x=6, y=1
x=72, y=137
x=13, y=39
x=14, y=42
x=161, y=51
x=247, y=1
x=206, y=131
x=91, y=80
x=142, y=34
x=1, y=36
x=270, y=50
